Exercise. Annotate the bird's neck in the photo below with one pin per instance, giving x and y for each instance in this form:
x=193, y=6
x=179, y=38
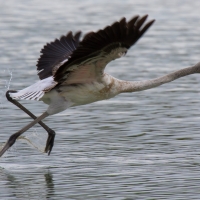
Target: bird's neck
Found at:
x=134, y=86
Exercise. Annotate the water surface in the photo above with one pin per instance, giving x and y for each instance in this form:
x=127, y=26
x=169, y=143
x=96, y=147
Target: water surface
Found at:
x=142, y=145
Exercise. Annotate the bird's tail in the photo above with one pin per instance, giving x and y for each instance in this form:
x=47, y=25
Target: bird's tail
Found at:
x=35, y=91
x=27, y=93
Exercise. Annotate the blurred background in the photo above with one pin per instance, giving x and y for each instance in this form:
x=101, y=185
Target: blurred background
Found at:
x=142, y=145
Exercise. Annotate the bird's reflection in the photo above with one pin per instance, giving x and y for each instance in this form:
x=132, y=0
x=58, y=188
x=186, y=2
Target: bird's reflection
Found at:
x=49, y=184
x=24, y=185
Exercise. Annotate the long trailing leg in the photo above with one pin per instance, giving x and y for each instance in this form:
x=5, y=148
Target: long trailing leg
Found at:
x=51, y=133
x=13, y=137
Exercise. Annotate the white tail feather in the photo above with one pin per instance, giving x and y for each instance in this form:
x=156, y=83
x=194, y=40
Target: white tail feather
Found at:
x=35, y=91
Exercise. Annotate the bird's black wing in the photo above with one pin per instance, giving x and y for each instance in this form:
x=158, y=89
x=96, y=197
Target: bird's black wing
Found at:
x=102, y=47
x=56, y=53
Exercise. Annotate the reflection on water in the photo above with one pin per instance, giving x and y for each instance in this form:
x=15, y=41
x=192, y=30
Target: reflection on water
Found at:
x=18, y=186
x=136, y=146
x=49, y=184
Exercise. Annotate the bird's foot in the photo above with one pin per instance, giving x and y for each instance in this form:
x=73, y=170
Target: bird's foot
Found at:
x=8, y=144
x=50, y=141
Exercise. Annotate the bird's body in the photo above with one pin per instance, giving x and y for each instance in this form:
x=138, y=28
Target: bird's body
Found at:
x=64, y=96
x=72, y=73
x=80, y=94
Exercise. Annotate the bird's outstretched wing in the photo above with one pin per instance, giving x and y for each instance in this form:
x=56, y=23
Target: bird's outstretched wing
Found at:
x=97, y=49
x=53, y=55
x=69, y=61
x=56, y=53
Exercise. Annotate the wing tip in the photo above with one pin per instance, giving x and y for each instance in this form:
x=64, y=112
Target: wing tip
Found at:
x=55, y=52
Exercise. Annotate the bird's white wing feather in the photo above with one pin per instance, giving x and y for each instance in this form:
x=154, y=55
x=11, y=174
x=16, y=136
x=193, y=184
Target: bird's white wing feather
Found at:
x=35, y=91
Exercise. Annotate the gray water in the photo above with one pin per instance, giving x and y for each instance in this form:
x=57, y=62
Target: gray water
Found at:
x=141, y=145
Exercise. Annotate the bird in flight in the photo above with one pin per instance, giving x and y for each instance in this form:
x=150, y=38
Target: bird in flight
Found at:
x=71, y=72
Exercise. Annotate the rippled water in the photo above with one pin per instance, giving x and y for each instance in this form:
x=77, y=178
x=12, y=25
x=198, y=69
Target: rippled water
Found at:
x=142, y=145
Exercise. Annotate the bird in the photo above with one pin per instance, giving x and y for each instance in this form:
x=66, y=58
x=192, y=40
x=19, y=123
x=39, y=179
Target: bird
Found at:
x=71, y=72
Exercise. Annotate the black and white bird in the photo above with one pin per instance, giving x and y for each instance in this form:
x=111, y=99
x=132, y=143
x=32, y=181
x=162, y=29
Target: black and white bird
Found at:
x=72, y=73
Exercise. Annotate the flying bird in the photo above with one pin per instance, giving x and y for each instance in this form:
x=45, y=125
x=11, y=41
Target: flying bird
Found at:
x=71, y=72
